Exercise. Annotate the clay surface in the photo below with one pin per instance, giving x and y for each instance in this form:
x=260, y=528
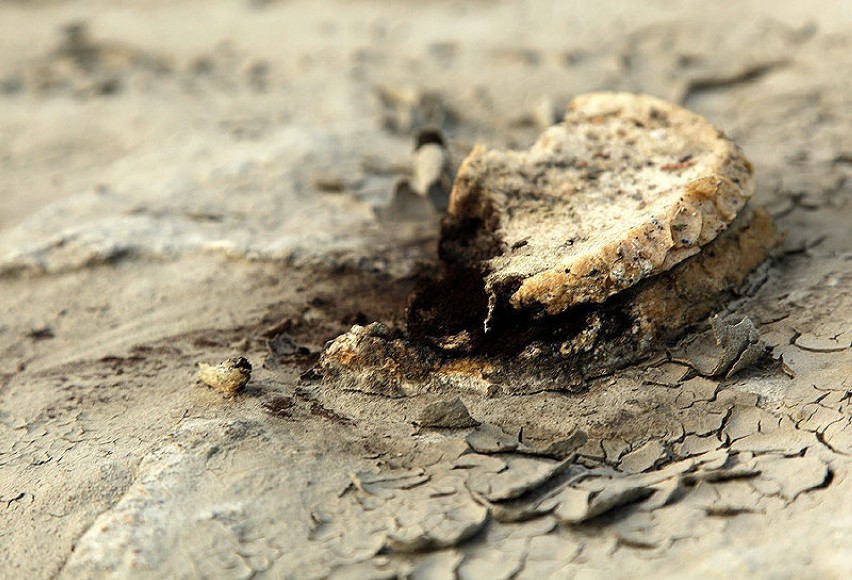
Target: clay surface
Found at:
x=186, y=181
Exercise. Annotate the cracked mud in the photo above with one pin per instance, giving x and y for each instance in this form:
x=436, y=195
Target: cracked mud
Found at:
x=250, y=212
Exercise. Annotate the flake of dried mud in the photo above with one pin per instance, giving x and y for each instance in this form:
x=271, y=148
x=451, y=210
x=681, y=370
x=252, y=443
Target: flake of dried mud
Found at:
x=665, y=493
x=435, y=525
x=449, y=414
x=813, y=343
x=792, y=475
x=489, y=438
x=522, y=475
x=730, y=467
x=737, y=347
x=786, y=441
x=643, y=458
x=583, y=505
x=558, y=449
x=383, y=484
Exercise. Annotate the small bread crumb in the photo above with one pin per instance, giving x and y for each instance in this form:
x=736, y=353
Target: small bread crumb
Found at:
x=227, y=377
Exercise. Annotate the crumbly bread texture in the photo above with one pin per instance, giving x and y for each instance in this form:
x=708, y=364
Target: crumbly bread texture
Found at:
x=620, y=228
x=530, y=358
x=626, y=187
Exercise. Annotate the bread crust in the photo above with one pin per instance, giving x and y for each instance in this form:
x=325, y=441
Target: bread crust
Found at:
x=626, y=187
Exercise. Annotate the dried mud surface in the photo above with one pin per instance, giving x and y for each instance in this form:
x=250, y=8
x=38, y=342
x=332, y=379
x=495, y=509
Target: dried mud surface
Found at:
x=186, y=182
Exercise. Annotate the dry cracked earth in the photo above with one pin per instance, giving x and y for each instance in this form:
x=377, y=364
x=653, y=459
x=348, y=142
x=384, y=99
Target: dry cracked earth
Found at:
x=187, y=181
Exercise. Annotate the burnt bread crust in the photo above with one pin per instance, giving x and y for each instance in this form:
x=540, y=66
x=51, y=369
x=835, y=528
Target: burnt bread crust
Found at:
x=626, y=187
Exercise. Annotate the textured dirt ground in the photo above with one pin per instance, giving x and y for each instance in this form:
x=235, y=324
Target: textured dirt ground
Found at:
x=187, y=181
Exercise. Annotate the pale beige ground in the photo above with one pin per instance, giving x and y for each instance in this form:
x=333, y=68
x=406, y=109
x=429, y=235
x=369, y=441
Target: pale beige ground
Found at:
x=197, y=180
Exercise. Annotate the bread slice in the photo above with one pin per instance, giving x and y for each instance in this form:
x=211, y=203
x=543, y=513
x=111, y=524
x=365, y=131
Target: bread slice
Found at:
x=626, y=187
x=564, y=351
x=620, y=228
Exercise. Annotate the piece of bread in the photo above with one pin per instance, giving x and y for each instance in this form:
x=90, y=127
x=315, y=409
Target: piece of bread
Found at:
x=615, y=232
x=626, y=187
x=559, y=353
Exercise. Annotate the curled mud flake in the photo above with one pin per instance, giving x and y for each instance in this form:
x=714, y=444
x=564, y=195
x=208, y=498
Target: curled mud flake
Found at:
x=737, y=347
x=721, y=465
x=693, y=445
x=519, y=510
x=671, y=471
x=384, y=484
x=449, y=414
x=228, y=377
x=793, y=476
x=523, y=475
x=665, y=493
x=616, y=494
x=572, y=504
x=783, y=441
x=486, y=463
